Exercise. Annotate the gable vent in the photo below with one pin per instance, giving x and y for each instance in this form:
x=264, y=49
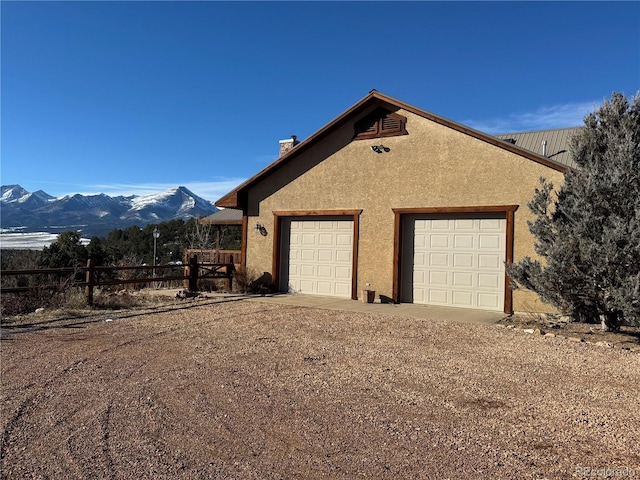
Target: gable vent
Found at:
x=367, y=127
x=390, y=123
x=381, y=123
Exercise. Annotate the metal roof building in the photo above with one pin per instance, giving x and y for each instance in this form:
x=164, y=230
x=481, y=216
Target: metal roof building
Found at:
x=553, y=144
x=226, y=216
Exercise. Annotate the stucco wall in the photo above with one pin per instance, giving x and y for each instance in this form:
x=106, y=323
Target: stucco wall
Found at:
x=433, y=166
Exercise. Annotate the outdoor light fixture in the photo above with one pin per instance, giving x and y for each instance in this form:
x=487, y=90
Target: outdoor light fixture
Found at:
x=261, y=228
x=156, y=235
x=379, y=148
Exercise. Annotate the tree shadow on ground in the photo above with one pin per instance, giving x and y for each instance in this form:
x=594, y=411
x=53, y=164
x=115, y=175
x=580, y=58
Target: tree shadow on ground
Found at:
x=82, y=319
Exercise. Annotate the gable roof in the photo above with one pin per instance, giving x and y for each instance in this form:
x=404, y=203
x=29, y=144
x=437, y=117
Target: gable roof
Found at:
x=237, y=197
x=558, y=141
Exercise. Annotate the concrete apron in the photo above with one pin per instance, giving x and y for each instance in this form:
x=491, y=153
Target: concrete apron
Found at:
x=463, y=315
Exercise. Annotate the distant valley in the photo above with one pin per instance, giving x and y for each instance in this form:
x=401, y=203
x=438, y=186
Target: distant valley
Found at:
x=22, y=211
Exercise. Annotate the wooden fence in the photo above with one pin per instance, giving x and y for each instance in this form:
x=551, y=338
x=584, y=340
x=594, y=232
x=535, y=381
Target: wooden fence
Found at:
x=214, y=256
x=193, y=271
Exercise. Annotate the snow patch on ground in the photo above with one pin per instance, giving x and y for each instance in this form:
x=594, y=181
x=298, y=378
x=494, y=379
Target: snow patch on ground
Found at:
x=30, y=241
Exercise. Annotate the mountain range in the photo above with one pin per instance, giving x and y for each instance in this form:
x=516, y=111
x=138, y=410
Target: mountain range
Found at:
x=24, y=211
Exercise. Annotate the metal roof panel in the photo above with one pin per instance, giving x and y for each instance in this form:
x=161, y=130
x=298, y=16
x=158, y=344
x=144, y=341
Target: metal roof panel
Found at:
x=558, y=143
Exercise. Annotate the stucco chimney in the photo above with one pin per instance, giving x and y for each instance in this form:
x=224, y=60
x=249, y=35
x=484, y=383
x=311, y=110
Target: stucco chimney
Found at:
x=288, y=144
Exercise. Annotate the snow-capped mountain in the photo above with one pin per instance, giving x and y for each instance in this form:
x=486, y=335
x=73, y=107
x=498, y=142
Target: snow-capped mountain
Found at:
x=15, y=193
x=95, y=214
x=178, y=202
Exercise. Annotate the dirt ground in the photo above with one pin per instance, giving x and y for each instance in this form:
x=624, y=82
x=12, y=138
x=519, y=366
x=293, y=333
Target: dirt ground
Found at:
x=628, y=338
x=241, y=389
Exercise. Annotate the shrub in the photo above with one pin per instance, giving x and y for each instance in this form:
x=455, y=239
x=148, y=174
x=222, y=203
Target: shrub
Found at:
x=248, y=281
x=589, y=235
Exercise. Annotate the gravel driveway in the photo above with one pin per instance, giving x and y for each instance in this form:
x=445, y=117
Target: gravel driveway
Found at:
x=250, y=390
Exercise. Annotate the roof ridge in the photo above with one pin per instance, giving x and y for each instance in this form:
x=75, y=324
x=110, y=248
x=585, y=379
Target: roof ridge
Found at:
x=537, y=131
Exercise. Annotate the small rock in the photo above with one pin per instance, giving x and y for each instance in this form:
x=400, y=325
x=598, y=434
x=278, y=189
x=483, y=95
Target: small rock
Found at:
x=528, y=330
x=40, y=310
x=551, y=335
x=537, y=331
x=604, y=344
x=575, y=339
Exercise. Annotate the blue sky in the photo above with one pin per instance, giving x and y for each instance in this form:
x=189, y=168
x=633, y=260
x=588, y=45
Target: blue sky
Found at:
x=137, y=97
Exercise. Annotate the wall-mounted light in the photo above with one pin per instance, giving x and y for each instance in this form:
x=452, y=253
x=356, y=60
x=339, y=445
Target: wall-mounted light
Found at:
x=380, y=148
x=261, y=228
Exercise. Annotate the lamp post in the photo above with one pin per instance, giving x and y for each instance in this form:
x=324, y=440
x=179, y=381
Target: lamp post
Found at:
x=156, y=234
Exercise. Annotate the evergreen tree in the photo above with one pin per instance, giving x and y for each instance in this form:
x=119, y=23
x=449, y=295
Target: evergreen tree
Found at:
x=97, y=251
x=589, y=236
x=66, y=251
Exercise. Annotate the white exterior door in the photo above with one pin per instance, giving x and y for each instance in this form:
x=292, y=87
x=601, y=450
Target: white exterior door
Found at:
x=318, y=256
x=456, y=262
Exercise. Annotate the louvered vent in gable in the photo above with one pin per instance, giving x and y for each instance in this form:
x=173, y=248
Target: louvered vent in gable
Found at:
x=390, y=124
x=380, y=123
x=367, y=127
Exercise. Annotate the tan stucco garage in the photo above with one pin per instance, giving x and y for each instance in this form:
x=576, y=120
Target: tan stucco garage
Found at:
x=380, y=171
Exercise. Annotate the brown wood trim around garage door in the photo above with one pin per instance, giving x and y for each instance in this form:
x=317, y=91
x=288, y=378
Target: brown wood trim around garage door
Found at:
x=353, y=215
x=399, y=213
x=243, y=245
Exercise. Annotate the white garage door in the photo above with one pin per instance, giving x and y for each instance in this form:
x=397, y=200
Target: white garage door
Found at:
x=318, y=256
x=457, y=262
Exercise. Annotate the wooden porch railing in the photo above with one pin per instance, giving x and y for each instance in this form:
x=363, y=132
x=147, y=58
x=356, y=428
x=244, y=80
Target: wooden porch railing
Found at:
x=214, y=256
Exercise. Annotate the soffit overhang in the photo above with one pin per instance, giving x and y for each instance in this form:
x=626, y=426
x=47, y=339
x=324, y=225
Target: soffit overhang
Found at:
x=237, y=197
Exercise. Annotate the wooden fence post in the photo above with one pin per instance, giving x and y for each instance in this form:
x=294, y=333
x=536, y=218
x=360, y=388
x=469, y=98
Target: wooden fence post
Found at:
x=230, y=277
x=186, y=270
x=90, y=279
x=193, y=274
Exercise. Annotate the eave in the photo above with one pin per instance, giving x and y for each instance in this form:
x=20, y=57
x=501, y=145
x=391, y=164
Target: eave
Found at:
x=237, y=197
